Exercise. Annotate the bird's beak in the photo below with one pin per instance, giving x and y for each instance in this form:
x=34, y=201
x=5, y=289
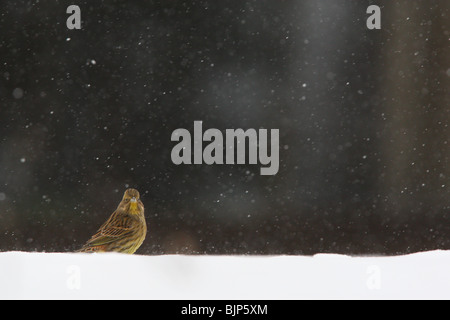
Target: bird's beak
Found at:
x=133, y=199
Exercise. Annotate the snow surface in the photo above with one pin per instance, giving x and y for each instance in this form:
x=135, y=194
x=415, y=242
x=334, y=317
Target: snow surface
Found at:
x=26, y=275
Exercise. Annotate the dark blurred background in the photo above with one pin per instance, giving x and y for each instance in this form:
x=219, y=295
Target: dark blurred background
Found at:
x=363, y=118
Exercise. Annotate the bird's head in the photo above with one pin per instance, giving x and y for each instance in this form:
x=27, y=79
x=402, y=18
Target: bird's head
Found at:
x=131, y=202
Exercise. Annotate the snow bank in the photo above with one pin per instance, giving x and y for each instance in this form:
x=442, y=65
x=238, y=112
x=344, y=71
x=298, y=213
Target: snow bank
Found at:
x=116, y=276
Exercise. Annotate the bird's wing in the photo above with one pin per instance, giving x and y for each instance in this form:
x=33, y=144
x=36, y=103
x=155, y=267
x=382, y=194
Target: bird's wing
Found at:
x=108, y=235
x=112, y=230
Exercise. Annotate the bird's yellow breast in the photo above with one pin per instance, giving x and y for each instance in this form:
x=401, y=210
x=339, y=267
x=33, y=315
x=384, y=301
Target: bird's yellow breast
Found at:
x=134, y=209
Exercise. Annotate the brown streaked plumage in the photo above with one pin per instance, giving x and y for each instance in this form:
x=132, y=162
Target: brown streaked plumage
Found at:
x=125, y=229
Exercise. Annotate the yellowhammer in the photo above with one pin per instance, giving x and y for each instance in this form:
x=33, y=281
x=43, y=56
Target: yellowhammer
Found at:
x=125, y=229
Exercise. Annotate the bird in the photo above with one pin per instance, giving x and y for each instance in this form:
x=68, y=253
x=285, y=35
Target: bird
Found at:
x=124, y=231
